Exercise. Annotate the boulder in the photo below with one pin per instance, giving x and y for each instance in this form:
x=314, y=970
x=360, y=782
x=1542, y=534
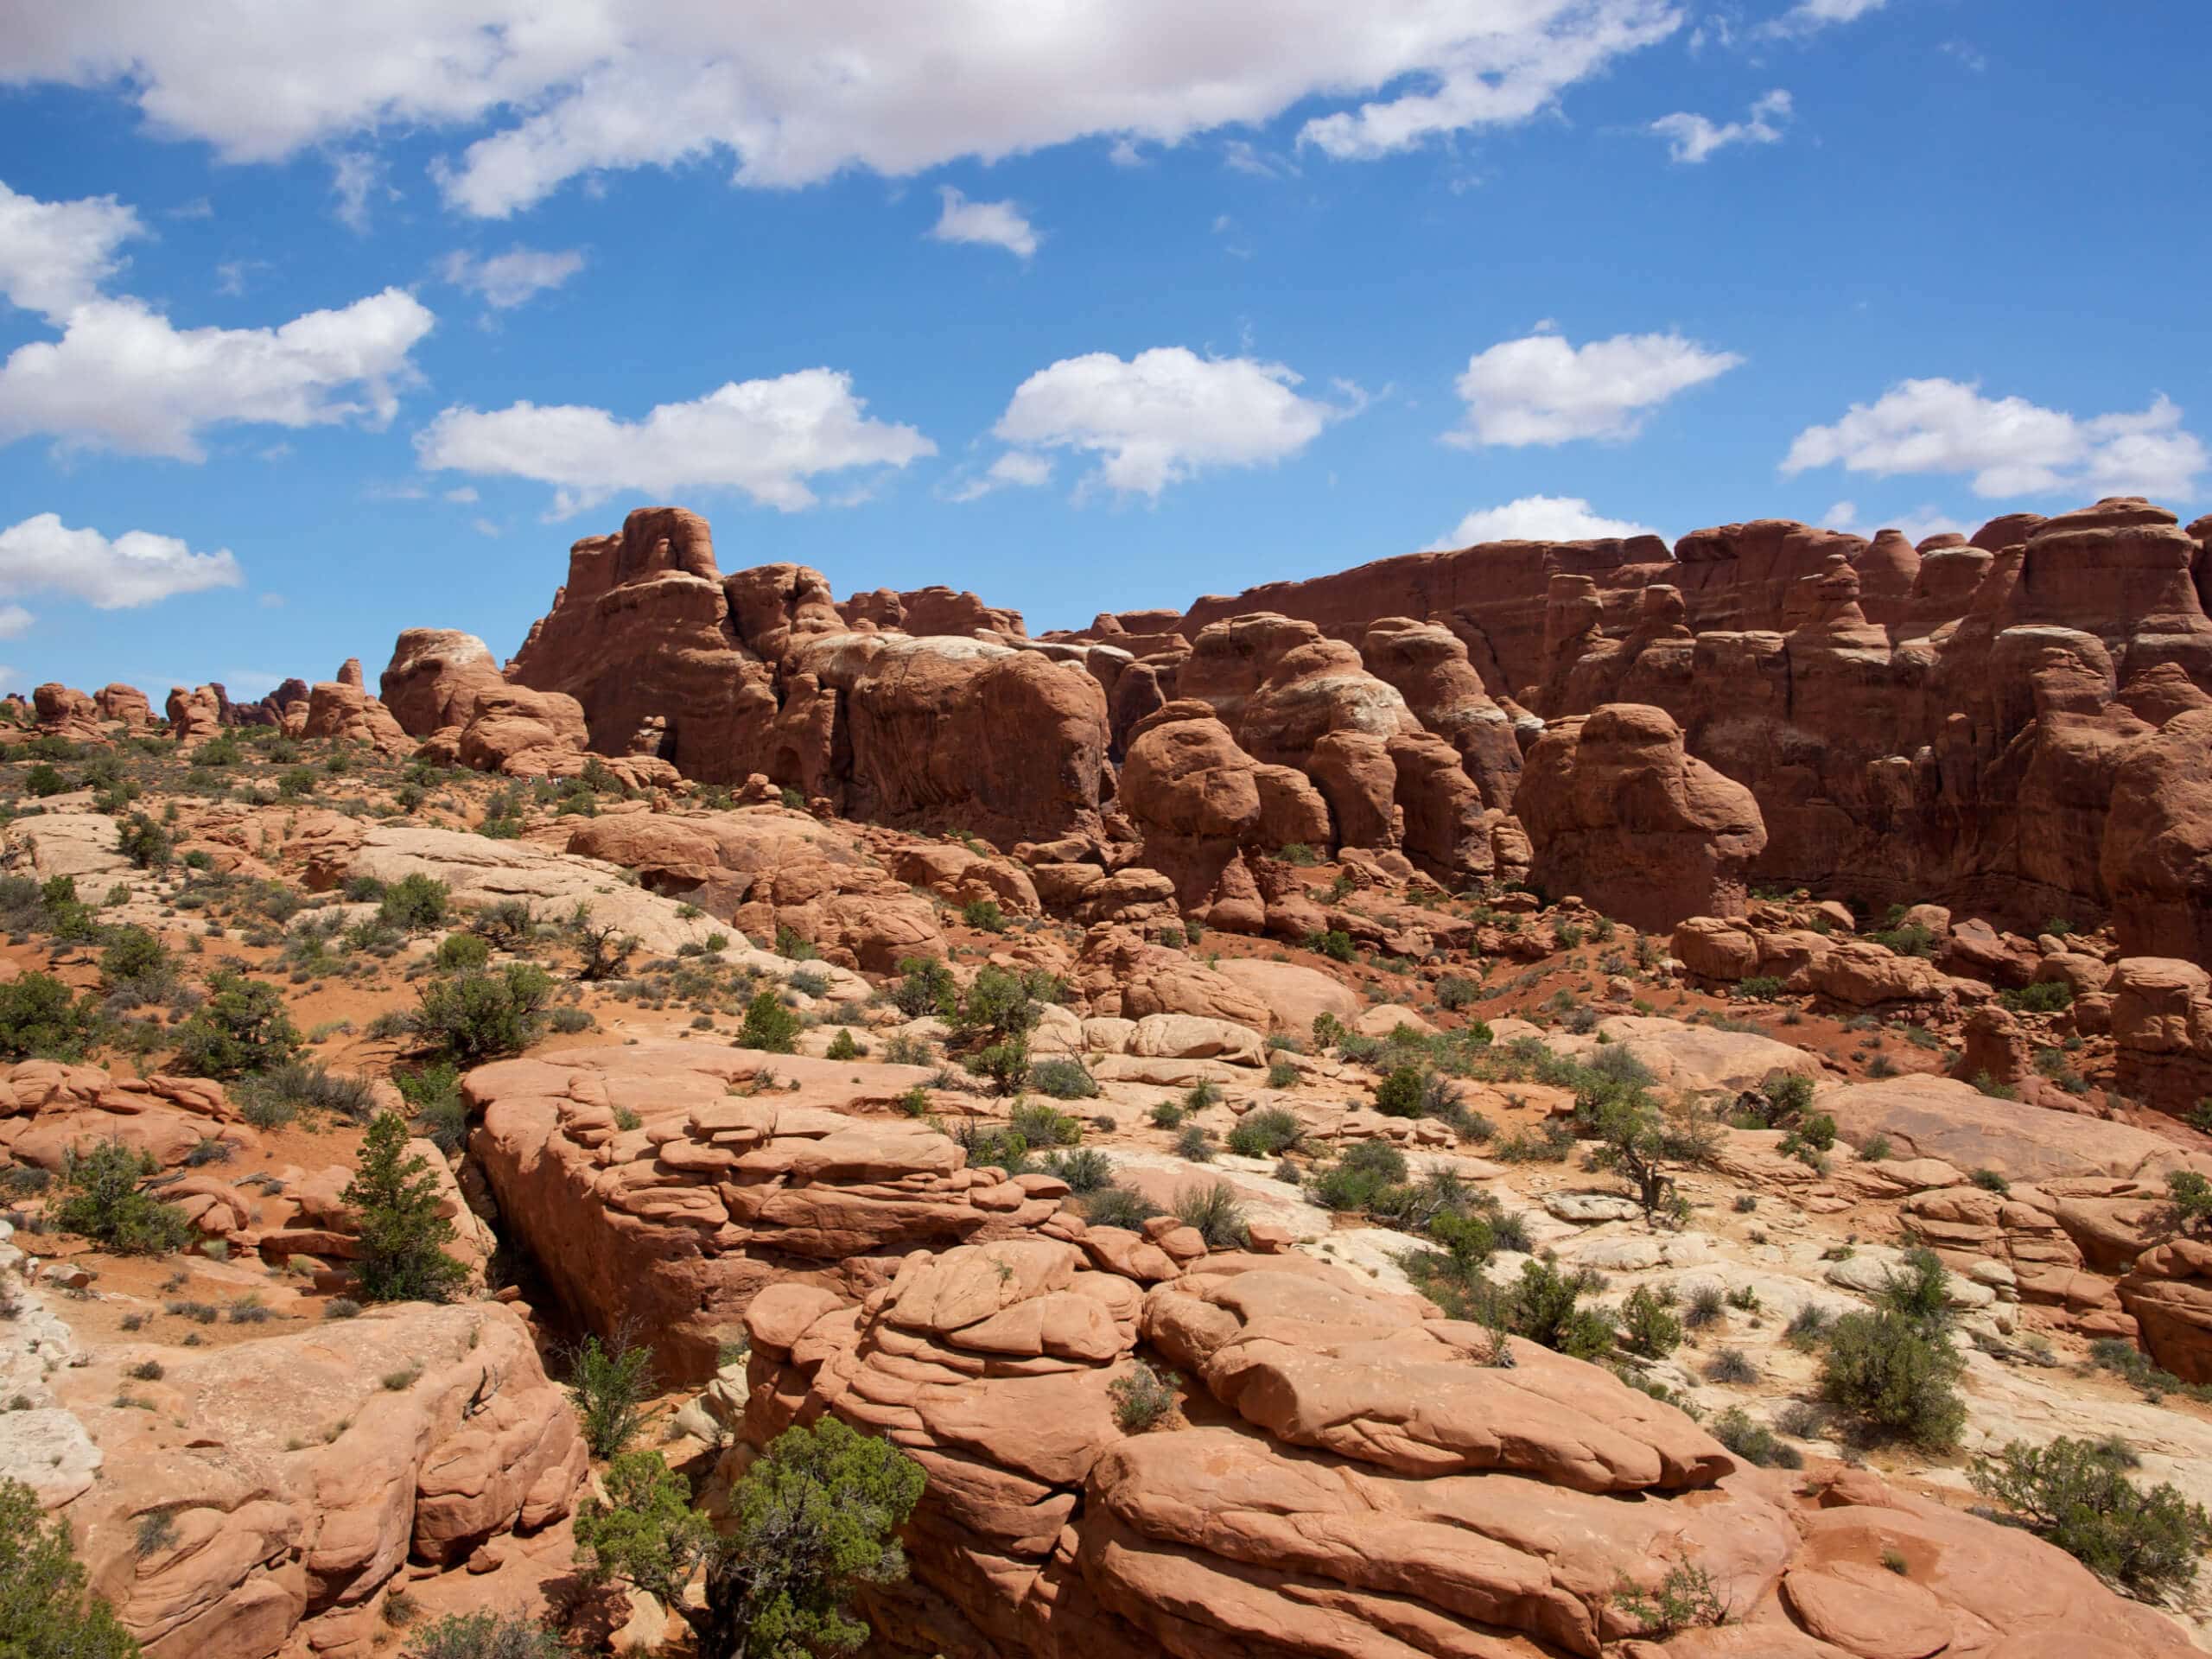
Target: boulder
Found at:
x=1617, y=811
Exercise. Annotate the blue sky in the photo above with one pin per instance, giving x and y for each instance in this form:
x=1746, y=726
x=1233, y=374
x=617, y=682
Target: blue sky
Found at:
x=318, y=325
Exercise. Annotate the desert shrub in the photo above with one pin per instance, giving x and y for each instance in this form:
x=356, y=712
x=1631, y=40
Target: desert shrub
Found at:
x=145, y=843
x=486, y=1636
x=1213, y=1210
x=2189, y=1197
x=136, y=960
x=459, y=950
x=281, y=1093
x=1334, y=943
x=1906, y=939
x=46, y=1612
x=1281, y=1074
x=106, y=1200
x=481, y=1013
x=984, y=913
x=1753, y=1441
x=1918, y=1290
x=769, y=1026
x=1990, y=1181
x=602, y=949
x=1808, y=1327
x=1062, y=1079
x=506, y=925
x=815, y=1514
x=841, y=1046
x=1398, y=1095
x=44, y=780
x=2077, y=1495
x=241, y=1028
x=1042, y=1126
x=1086, y=1169
x=1708, y=1302
x=1454, y=993
x=1358, y=1173
x=1650, y=1326
x=1731, y=1365
x=434, y=1091
x=1543, y=1306
x=925, y=985
x=1268, y=1131
x=1117, y=1206
x=610, y=1386
x=1167, y=1114
x=2049, y=996
x=1195, y=1143
x=570, y=1020
x=1142, y=1398
x=42, y=1019
x=414, y=904
x=1684, y=1599
x=396, y=1202
x=1896, y=1378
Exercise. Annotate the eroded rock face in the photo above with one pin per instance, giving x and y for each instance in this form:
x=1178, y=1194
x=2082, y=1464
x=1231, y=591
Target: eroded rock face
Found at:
x=1349, y=1476
x=336, y=709
x=299, y=1486
x=194, y=716
x=434, y=677
x=1617, y=812
x=731, y=1181
x=64, y=711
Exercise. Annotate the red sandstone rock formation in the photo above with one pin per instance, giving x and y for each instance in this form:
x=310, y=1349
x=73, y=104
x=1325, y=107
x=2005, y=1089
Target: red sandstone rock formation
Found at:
x=434, y=677
x=126, y=703
x=345, y=711
x=1348, y=1478
x=194, y=716
x=1619, y=814
x=727, y=1185
x=64, y=711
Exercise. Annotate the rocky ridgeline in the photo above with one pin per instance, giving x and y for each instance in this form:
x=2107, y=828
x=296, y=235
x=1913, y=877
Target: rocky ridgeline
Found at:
x=2005, y=724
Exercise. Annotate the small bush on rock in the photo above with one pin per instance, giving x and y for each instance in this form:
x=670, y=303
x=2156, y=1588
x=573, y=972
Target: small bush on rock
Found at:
x=105, y=1201
x=2077, y=1495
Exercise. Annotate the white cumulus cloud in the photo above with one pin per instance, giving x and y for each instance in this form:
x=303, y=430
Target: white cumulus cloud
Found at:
x=507, y=280
x=2008, y=445
x=1016, y=469
x=1538, y=518
x=43, y=556
x=14, y=621
x=996, y=223
x=1164, y=415
x=123, y=377
x=1810, y=17
x=766, y=438
x=790, y=95
x=1691, y=138
x=54, y=255
x=1542, y=389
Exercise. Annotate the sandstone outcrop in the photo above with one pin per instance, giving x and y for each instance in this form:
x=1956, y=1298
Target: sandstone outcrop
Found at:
x=771, y=871
x=731, y=1181
x=49, y=1110
x=434, y=677
x=1346, y=1477
x=126, y=703
x=298, y=1486
x=64, y=711
x=194, y=716
x=1617, y=812
x=337, y=709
